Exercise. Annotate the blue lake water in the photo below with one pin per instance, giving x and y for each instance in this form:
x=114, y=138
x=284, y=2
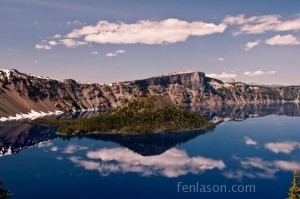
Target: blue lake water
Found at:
x=242, y=150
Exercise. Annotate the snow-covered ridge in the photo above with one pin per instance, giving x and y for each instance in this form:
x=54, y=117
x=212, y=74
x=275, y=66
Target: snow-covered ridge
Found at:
x=31, y=115
x=8, y=72
x=16, y=73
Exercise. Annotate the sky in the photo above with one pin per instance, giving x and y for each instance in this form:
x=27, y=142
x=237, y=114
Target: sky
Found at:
x=111, y=41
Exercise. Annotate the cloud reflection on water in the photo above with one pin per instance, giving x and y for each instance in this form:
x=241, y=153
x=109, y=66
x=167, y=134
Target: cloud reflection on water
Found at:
x=255, y=167
x=172, y=163
x=282, y=147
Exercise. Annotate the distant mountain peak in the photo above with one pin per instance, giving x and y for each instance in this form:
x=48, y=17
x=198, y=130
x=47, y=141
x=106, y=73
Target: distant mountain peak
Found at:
x=183, y=72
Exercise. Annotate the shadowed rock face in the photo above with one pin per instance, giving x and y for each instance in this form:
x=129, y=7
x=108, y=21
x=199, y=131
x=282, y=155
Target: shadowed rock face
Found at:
x=15, y=136
x=21, y=93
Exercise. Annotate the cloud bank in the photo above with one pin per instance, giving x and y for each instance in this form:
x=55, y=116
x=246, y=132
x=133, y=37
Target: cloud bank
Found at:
x=172, y=30
x=149, y=32
x=223, y=75
x=259, y=73
x=145, y=31
x=261, y=24
x=283, y=40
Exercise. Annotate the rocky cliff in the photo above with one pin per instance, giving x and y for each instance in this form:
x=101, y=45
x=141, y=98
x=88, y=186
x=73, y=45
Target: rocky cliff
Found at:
x=22, y=93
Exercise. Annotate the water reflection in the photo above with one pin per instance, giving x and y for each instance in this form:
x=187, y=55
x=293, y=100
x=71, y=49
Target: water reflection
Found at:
x=149, y=144
x=239, y=112
x=83, y=114
x=15, y=136
x=249, y=141
x=258, y=151
x=4, y=193
x=282, y=147
x=172, y=163
x=220, y=113
x=257, y=167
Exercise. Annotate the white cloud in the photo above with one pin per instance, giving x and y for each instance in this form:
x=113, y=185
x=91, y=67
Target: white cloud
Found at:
x=172, y=163
x=75, y=23
x=283, y=40
x=223, y=75
x=291, y=25
x=235, y=20
x=250, y=45
x=56, y=36
x=249, y=141
x=261, y=24
x=116, y=53
x=282, y=147
x=145, y=32
x=52, y=43
x=120, y=51
x=71, y=43
x=221, y=59
x=94, y=53
x=43, y=46
x=259, y=73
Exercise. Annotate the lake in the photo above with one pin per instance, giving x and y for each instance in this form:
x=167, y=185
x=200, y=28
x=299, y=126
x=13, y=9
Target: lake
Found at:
x=254, y=148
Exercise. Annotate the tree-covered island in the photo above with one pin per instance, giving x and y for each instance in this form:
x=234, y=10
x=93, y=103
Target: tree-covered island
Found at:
x=140, y=115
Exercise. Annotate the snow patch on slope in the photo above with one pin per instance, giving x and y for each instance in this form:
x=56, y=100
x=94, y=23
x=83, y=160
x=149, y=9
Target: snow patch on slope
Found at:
x=31, y=115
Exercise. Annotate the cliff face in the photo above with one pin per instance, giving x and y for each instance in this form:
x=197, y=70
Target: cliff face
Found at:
x=21, y=93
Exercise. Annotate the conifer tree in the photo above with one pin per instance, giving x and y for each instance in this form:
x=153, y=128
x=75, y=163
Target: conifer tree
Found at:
x=295, y=189
x=4, y=194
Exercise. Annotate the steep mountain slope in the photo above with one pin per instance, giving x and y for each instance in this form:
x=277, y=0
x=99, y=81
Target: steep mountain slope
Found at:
x=22, y=93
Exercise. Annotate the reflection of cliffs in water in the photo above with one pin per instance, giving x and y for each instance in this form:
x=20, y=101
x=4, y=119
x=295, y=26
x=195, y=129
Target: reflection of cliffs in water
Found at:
x=149, y=144
x=222, y=113
x=15, y=136
x=83, y=114
x=218, y=114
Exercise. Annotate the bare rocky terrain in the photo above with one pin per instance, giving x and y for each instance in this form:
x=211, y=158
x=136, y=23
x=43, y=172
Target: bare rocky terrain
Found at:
x=22, y=93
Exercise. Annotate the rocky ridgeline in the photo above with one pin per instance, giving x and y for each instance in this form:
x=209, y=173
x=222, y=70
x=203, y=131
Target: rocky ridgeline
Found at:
x=21, y=93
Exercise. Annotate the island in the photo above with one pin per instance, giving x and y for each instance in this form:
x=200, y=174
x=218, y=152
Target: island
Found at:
x=144, y=114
